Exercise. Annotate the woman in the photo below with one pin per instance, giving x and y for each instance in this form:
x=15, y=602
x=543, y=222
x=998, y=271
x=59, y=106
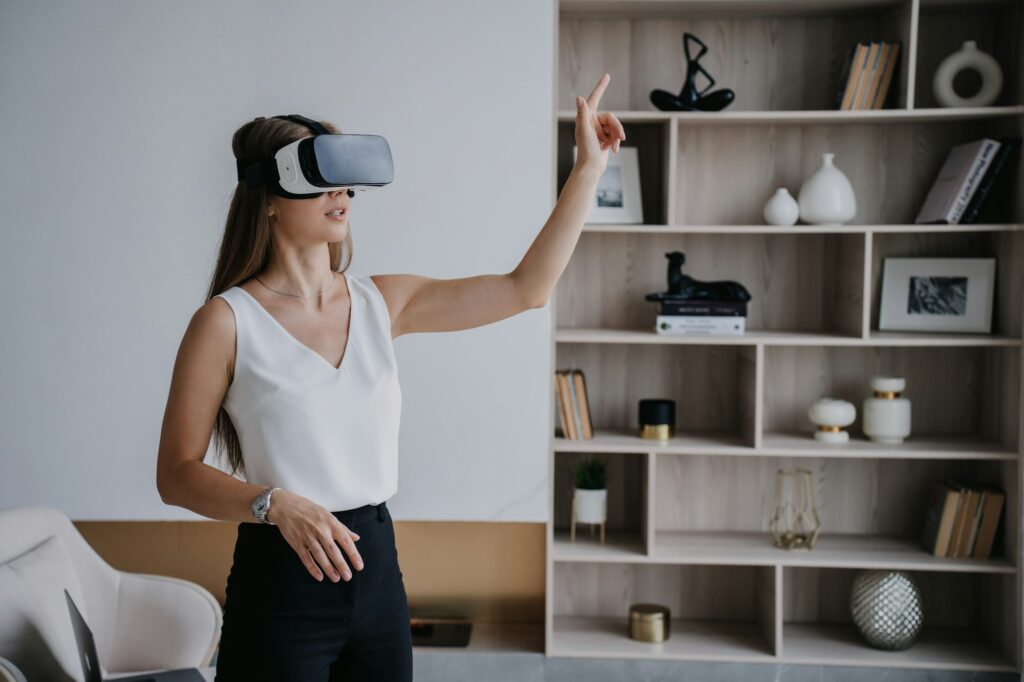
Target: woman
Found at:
x=291, y=362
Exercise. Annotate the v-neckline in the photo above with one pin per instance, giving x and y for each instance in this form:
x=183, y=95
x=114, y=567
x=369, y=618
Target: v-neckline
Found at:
x=322, y=359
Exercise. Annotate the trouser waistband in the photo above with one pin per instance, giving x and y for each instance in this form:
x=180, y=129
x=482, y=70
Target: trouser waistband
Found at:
x=359, y=514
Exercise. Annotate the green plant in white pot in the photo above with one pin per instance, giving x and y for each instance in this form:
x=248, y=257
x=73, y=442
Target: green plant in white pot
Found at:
x=590, y=496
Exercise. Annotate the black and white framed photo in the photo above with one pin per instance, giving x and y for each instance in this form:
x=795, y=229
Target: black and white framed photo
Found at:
x=617, y=199
x=937, y=295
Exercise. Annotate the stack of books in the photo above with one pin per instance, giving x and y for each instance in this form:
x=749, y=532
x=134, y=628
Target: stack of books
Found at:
x=867, y=74
x=702, y=318
x=966, y=179
x=962, y=519
x=571, y=389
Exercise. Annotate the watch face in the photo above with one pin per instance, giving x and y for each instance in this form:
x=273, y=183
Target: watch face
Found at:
x=261, y=505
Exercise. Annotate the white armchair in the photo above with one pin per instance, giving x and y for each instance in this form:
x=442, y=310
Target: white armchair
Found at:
x=140, y=622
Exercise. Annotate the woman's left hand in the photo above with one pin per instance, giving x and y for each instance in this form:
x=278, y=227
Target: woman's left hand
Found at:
x=596, y=132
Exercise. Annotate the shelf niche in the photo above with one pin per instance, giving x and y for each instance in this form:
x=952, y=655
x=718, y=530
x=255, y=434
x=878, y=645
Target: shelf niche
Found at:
x=778, y=60
x=968, y=621
x=871, y=511
x=969, y=393
x=798, y=282
x=717, y=612
x=713, y=386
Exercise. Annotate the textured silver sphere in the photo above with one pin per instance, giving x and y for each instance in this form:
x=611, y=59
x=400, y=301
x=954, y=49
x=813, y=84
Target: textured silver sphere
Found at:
x=886, y=607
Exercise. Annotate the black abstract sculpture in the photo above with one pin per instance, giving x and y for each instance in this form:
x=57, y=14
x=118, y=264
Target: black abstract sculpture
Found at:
x=682, y=287
x=689, y=99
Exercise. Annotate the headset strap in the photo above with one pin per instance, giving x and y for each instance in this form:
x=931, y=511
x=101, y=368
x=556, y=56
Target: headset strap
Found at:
x=315, y=126
x=265, y=170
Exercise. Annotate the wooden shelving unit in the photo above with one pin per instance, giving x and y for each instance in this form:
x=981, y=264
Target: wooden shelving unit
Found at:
x=688, y=518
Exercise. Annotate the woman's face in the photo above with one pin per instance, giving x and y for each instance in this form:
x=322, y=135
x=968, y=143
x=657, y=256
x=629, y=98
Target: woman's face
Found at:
x=308, y=220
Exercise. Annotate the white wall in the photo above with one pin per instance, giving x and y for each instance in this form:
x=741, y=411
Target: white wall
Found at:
x=116, y=173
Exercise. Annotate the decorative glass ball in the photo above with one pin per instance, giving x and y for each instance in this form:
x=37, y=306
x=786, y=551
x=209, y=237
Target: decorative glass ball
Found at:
x=886, y=607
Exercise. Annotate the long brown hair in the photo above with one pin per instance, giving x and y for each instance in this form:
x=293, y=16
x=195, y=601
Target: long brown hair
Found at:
x=246, y=245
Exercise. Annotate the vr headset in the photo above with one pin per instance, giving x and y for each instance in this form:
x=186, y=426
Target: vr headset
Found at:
x=307, y=168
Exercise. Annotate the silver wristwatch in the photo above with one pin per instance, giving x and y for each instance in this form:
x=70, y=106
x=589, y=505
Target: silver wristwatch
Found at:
x=261, y=505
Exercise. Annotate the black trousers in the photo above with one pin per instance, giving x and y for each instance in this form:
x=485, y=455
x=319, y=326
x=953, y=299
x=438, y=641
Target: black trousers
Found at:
x=282, y=624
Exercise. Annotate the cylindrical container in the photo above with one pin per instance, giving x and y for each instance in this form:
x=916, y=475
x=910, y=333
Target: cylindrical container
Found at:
x=649, y=622
x=886, y=414
x=657, y=417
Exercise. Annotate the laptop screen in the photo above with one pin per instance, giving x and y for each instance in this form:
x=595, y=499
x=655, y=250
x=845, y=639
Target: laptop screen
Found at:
x=86, y=645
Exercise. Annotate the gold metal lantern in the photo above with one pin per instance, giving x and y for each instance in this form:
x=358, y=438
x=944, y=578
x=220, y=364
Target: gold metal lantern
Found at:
x=794, y=523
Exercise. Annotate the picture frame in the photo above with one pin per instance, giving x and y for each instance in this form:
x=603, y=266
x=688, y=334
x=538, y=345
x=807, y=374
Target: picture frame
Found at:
x=937, y=295
x=618, y=198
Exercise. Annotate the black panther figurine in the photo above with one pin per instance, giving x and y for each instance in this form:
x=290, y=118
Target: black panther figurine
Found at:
x=683, y=287
x=688, y=98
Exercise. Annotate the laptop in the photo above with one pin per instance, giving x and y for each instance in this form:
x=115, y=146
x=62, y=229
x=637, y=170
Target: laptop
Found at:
x=91, y=662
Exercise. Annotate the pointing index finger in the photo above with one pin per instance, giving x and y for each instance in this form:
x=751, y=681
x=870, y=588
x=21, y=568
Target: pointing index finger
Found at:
x=595, y=96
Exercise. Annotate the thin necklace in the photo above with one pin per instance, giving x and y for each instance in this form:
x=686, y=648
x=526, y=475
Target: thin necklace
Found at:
x=304, y=298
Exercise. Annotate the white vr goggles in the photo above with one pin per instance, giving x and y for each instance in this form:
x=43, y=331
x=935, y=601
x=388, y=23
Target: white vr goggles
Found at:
x=307, y=168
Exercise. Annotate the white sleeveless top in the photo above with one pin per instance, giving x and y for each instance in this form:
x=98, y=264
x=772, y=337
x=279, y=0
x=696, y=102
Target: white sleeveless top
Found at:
x=330, y=435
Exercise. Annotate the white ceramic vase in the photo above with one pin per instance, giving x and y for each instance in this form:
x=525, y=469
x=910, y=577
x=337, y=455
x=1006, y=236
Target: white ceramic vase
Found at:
x=781, y=208
x=826, y=197
x=591, y=505
x=968, y=57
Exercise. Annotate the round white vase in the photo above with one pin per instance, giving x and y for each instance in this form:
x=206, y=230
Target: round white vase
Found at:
x=968, y=57
x=781, y=208
x=886, y=414
x=591, y=505
x=826, y=197
x=832, y=416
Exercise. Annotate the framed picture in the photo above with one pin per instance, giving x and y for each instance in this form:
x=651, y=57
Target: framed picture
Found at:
x=937, y=294
x=617, y=199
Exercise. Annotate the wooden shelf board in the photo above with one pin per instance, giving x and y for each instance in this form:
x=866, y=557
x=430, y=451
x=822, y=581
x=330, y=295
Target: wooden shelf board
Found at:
x=799, y=229
x=710, y=640
x=619, y=545
x=918, y=446
x=780, y=338
x=609, y=440
x=754, y=548
x=809, y=116
x=778, y=444
x=942, y=648
x=831, y=550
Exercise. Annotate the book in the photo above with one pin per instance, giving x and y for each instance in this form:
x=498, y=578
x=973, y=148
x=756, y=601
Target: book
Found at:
x=844, y=78
x=696, y=307
x=579, y=381
x=860, y=57
x=972, y=535
x=565, y=405
x=1008, y=149
x=866, y=94
x=574, y=406
x=865, y=76
x=890, y=69
x=939, y=518
x=953, y=535
x=970, y=509
x=956, y=181
x=700, y=325
x=990, y=517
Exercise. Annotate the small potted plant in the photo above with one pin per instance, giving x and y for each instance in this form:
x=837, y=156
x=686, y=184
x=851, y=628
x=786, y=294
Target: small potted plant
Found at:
x=590, y=496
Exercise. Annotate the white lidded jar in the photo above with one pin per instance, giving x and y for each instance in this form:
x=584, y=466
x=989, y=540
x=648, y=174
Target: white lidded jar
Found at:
x=832, y=416
x=886, y=415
